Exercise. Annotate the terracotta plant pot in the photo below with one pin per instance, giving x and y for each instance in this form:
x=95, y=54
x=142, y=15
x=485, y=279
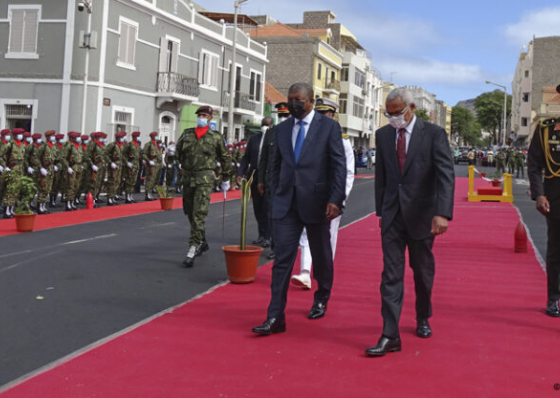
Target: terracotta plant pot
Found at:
x=166, y=203
x=496, y=183
x=242, y=264
x=25, y=222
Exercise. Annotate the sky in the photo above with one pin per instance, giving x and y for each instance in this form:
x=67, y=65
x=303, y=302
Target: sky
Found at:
x=448, y=48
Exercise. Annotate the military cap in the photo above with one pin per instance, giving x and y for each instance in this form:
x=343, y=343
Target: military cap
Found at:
x=204, y=109
x=74, y=134
x=59, y=136
x=94, y=135
x=102, y=134
x=282, y=108
x=326, y=105
x=136, y=134
x=36, y=136
x=48, y=133
x=18, y=131
x=5, y=132
x=154, y=134
x=85, y=137
x=26, y=134
x=121, y=134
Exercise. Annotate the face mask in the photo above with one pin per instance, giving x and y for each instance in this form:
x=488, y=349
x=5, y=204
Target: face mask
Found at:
x=79, y=139
x=19, y=137
x=85, y=142
x=39, y=141
x=61, y=141
x=121, y=140
x=29, y=139
x=7, y=138
x=296, y=108
x=52, y=139
x=201, y=122
x=398, y=122
x=264, y=129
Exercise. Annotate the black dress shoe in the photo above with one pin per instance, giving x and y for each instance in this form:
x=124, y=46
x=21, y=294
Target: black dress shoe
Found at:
x=271, y=325
x=552, y=308
x=202, y=247
x=423, y=328
x=317, y=310
x=270, y=256
x=258, y=241
x=384, y=345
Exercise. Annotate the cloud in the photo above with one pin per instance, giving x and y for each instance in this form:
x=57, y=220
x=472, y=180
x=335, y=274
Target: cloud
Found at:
x=539, y=23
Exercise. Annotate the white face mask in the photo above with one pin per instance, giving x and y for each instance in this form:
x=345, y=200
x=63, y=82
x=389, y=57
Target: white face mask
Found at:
x=121, y=140
x=86, y=142
x=52, y=139
x=39, y=141
x=61, y=141
x=19, y=137
x=29, y=139
x=398, y=122
x=7, y=138
x=102, y=140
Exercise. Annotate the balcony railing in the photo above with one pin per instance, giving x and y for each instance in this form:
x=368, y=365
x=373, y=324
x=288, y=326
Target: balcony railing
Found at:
x=171, y=82
x=332, y=84
x=241, y=101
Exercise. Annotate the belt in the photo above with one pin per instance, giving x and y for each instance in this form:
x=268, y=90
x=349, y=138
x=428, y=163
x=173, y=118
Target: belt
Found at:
x=10, y=165
x=47, y=165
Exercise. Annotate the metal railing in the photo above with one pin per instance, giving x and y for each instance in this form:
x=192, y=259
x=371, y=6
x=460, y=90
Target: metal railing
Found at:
x=241, y=101
x=331, y=84
x=171, y=82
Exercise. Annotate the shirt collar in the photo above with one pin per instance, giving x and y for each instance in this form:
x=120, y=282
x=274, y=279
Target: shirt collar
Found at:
x=410, y=126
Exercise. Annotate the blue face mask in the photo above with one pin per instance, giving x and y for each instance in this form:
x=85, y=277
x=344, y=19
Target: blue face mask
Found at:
x=201, y=122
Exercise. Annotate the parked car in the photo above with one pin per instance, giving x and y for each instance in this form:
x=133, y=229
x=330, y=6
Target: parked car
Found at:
x=461, y=156
x=361, y=161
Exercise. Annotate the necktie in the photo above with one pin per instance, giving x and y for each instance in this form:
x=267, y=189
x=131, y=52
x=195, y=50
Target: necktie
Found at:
x=299, y=139
x=401, y=148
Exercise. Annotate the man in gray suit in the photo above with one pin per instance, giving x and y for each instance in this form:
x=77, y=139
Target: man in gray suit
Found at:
x=307, y=182
x=414, y=185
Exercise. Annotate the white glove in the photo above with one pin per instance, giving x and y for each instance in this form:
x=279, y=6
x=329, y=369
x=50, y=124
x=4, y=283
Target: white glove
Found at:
x=170, y=167
x=225, y=186
x=70, y=170
x=152, y=163
x=218, y=164
x=1, y=169
x=30, y=170
x=113, y=166
x=129, y=165
x=94, y=168
x=7, y=169
x=55, y=168
x=237, y=164
x=43, y=171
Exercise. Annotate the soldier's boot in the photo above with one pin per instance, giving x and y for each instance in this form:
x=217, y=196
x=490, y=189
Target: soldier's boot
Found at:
x=111, y=202
x=45, y=210
x=8, y=212
x=129, y=198
x=68, y=206
x=188, y=262
x=72, y=205
x=40, y=210
x=77, y=201
x=118, y=198
x=149, y=197
x=178, y=190
x=202, y=247
x=53, y=201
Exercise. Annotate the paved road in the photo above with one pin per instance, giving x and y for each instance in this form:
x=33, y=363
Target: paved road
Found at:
x=66, y=288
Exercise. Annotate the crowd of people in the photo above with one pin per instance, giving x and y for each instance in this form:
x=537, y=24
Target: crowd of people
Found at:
x=511, y=159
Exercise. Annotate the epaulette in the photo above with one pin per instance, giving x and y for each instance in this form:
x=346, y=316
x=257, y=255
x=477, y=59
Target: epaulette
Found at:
x=345, y=136
x=550, y=122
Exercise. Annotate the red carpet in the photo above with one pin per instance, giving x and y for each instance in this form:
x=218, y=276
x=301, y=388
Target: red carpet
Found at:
x=63, y=219
x=491, y=337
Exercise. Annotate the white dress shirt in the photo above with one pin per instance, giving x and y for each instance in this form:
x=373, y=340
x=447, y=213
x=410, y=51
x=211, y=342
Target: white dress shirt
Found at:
x=408, y=132
x=295, y=129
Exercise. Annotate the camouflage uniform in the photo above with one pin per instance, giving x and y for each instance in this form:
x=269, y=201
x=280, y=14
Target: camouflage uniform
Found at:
x=131, y=157
x=85, y=182
x=510, y=160
x=198, y=158
x=71, y=158
x=59, y=180
x=12, y=157
x=151, y=153
x=3, y=142
x=43, y=159
x=96, y=158
x=501, y=162
x=113, y=155
x=171, y=167
x=520, y=164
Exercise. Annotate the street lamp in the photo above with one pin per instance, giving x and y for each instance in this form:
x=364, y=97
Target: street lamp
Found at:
x=231, y=127
x=85, y=5
x=504, y=110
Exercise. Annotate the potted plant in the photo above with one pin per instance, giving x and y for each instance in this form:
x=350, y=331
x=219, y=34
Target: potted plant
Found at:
x=25, y=189
x=242, y=260
x=496, y=179
x=165, y=199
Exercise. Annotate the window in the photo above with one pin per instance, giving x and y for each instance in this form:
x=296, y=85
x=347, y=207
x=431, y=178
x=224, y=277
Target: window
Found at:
x=358, y=109
x=319, y=69
x=525, y=97
x=360, y=79
x=526, y=73
x=343, y=104
x=255, y=87
x=127, y=43
x=344, y=74
x=24, y=26
x=208, y=69
x=524, y=121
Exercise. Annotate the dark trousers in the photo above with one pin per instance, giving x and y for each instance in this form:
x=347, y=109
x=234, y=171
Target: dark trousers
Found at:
x=287, y=231
x=260, y=208
x=394, y=243
x=553, y=258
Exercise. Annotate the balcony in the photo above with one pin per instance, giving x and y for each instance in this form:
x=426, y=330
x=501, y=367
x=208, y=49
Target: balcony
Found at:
x=242, y=101
x=332, y=86
x=173, y=86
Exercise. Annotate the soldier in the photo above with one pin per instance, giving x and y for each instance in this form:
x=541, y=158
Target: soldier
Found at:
x=113, y=155
x=152, y=155
x=199, y=149
x=132, y=153
x=520, y=163
x=5, y=137
x=12, y=160
x=160, y=175
x=27, y=140
x=71, y=168
x=96, y=157
x=43, y=161
x=544, y=154
x=510, y=161
x=85, y=179
x=501, y=161
x=59, y=181
x=29, y=153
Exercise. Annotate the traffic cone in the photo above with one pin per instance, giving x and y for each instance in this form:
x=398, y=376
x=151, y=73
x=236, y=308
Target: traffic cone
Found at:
x=89, y=201
x=520, y=239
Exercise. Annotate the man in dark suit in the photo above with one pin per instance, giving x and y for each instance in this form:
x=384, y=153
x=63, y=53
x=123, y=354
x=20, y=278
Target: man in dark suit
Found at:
x=414, y=185
x=248, y=166
x=307, y=185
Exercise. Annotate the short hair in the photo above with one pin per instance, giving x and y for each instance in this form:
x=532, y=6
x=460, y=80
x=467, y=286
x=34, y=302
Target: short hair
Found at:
x=304, y=88
x=401, y=93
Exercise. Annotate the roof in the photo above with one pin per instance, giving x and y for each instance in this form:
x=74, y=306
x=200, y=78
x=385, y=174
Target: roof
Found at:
x=273, y=95
x=242, y=19
x=278, y=29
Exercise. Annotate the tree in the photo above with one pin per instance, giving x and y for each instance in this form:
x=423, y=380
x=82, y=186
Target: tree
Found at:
x=422, y=114
x=489, y=112
x=464, y=125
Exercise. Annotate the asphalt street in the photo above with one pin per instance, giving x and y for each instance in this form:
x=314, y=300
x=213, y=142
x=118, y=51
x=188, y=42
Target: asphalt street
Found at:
x=66, y=288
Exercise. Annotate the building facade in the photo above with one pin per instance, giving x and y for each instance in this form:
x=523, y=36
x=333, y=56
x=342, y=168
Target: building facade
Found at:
x=131, y=64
